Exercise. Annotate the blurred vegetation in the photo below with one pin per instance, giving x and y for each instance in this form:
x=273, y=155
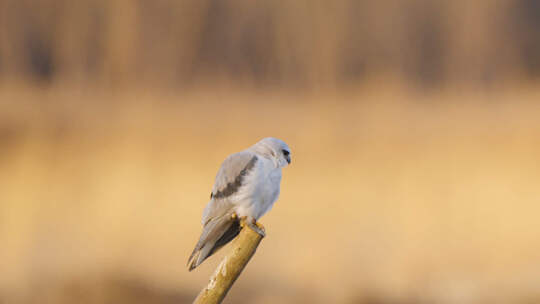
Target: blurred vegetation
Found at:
x=276, y=43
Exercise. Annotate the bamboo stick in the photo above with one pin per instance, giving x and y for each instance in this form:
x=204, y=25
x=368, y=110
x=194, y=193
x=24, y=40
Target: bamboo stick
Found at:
x=243, y=248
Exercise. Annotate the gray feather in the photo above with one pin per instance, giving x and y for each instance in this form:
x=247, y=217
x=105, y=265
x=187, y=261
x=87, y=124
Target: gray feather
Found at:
x=229, y=179
x=231, y=174
x=216, y=233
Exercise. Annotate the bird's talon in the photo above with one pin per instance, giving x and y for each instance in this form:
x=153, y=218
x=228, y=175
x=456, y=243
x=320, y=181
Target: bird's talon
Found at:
x=258, y=224
x=257, y=227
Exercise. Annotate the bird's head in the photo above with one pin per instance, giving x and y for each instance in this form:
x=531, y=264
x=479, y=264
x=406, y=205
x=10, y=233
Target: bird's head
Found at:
x=275, y=149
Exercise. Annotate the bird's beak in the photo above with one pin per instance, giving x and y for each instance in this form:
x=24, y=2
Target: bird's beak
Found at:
x=288, y=158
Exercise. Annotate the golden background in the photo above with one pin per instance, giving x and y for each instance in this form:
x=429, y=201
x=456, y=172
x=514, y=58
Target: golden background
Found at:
x=414, y=128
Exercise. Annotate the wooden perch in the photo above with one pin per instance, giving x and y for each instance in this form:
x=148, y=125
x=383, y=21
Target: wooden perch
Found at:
x=243, y=248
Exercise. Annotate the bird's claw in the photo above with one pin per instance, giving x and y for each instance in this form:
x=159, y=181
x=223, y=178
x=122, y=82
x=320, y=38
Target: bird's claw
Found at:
x=257, y=227
x=253, y=225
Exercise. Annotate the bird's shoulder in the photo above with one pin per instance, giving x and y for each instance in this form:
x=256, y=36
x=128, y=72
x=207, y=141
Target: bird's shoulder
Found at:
x=232, y=173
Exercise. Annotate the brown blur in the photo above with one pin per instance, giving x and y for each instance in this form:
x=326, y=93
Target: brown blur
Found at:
x=414, y=128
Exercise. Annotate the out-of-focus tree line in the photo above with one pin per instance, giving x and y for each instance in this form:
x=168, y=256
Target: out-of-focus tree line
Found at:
x=278, y=43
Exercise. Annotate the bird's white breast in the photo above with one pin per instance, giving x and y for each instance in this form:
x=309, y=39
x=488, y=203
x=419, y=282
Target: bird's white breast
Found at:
x=260, y=191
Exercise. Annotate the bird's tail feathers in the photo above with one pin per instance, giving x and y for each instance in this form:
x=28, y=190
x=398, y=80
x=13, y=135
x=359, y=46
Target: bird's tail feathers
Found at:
x=216, y=233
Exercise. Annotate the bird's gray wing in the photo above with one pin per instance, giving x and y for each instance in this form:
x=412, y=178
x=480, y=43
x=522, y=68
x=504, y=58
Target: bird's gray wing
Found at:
x=231, y=174
x=229, y=179
x=219, y=227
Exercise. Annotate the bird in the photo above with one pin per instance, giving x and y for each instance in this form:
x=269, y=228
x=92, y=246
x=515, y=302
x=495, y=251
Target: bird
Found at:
x=246, y=187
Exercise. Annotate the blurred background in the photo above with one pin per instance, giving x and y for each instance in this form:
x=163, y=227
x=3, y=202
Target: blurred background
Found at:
x=414, y=128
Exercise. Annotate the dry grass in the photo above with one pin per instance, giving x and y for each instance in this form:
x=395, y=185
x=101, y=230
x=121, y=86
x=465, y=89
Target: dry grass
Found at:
x=392, y=196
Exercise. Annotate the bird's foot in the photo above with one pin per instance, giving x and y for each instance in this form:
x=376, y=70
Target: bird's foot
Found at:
x=261, y=230
x=254, y=225
x=257, y=227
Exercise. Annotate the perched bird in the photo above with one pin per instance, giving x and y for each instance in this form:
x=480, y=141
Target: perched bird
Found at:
x=246, y=186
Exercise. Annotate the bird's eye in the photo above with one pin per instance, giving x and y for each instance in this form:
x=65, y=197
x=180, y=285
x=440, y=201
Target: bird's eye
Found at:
x=285, y=152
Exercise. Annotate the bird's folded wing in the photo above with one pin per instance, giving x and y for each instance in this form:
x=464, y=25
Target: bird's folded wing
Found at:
x=229, y=179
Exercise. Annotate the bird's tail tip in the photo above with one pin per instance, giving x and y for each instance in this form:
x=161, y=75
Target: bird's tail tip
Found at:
x=193, y=258
x=216, y=234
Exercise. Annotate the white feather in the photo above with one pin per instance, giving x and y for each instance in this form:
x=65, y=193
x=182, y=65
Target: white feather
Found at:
x=260, y=191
